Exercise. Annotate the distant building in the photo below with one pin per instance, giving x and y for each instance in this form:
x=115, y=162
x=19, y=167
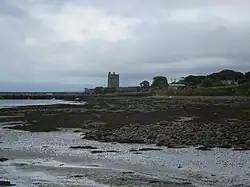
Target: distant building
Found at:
x=144, y=84
x=229, y=82
x=129, y=89
x=176, y=86
x=113, y=80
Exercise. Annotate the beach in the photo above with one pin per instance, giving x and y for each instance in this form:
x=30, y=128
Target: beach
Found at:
x=125, y=142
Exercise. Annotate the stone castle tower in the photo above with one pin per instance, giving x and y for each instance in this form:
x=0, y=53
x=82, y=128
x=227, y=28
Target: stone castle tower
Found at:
x=113, y=80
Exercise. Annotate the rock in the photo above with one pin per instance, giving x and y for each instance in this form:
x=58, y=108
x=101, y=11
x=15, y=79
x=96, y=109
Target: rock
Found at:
x=21, y=164
x=34, y=128
x=112, y=151
x=128, y=172
x=149, y=149
x=82, y=147
x=233, y=120
x=97, y=151
x=145, y=149
x=154, y=181
x=241, y=149
x=187, y=183
x=130, y=141
x=184, y=119
x=2, y=159
x=108, y=151
x=204, y=148
x=6, y=183
x=162, y=123
x=133, y=150
x=247, y=143
x=226, y=146
x=137, y=153
x=78, y=176
x=37, y=183
x=160, y=143
x=176, y=146
x=93, y=165
x=77, y=131
x=88, y=121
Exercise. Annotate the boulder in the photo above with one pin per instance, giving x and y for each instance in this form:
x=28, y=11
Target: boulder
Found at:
x=2, y=159
x=204, y=148
x=82, y=147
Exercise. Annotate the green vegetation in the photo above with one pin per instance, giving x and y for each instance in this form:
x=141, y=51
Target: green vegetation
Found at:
x=227, y=75
x=247, y=76
x=192, y=80
x=242, y=90
x=223, y=83
x=207, y=83
x=102, y=90
x=215, y=79
x=160, y=82
x=99, y=90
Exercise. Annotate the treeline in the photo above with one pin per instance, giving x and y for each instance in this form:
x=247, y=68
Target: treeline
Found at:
x=224, y=77
x=240, y=90
x=223, y=83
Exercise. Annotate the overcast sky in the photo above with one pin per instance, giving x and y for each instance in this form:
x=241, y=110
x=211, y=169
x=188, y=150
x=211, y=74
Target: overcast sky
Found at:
x=72, y=44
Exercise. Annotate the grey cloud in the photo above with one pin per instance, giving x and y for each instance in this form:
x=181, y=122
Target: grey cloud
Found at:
x=167, y=43
x=9, y=8
x=31, y=52
x=175, y=53
x=150, y=8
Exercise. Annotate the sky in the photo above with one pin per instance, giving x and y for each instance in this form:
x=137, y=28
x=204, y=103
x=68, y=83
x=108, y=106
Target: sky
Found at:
x=67, y=45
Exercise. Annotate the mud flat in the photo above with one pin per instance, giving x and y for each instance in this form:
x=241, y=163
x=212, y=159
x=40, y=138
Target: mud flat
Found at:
x=177, y=122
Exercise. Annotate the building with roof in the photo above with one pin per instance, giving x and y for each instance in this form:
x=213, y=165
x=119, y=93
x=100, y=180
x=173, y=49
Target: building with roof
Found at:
x=176, y=86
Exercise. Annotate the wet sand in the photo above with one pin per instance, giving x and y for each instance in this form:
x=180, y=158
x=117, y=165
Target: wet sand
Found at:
x=45, y=159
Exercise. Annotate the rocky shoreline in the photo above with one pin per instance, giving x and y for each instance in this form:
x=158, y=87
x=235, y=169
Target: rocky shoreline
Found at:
x=171, y=122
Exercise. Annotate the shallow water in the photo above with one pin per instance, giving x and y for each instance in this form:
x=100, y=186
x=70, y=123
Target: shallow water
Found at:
x=9, y=103
x=45, y=158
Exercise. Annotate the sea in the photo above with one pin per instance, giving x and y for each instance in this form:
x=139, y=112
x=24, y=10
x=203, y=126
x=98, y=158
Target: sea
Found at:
x=10, y=103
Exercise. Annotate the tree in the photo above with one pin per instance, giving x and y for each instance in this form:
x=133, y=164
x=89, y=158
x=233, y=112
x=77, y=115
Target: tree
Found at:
x=227, y=75
x=207, y=83
x=110, y=90
x=216, y=78
x=247, y=76
x=99, y=90
x=144, y=84
x=192, y=80
x=160, y=82
x=242, y=81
